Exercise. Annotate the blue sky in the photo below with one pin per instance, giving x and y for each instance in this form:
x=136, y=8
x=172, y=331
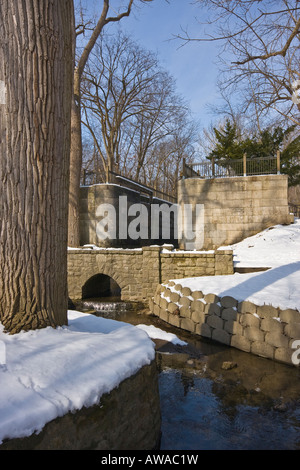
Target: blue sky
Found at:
x=192, y=66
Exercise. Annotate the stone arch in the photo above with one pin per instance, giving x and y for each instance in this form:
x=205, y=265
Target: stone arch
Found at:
x=100, y=285
x=101, y=273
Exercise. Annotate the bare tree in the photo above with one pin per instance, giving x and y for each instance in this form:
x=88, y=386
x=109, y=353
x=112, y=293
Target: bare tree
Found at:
x=76, y=141
x=36, y=90
x=130, y=105
x=117, y=86
x=263, y=37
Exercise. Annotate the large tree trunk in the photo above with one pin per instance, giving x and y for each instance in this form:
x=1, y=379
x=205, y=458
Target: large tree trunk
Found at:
x=36, y=77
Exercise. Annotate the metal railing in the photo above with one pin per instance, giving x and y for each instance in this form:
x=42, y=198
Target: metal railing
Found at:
x=90, y=178
x=294, y=209
x=230, y=168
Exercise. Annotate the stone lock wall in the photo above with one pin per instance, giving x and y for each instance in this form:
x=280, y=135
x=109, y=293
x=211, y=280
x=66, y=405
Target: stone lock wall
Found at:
x=139, y=271
x=259, y=329
x=236, y=208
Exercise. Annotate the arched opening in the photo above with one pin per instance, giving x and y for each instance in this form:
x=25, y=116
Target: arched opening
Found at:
x=101, y=286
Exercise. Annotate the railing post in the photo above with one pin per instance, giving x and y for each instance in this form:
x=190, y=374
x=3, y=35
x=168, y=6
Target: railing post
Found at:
x=213, y=166
x=245, y=164
x=278, y=162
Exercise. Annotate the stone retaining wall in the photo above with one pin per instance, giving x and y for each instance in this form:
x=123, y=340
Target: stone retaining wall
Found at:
x=236, y=208
x=262, y=330
x=128, y=418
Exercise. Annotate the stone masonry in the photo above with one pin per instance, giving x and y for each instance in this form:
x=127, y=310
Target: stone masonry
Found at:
x=236, y=208
x=139, y=271
x=259, y=329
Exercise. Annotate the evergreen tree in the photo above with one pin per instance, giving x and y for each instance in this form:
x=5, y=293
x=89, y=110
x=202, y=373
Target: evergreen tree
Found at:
x=230, y=147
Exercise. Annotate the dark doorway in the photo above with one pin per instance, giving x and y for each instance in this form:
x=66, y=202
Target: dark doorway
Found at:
x=100, y=285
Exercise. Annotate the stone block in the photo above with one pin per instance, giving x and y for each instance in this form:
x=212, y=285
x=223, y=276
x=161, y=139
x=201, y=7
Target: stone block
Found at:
x=248, y=319
x=267, y=311
x=175, y=320
x=178, y=287
x=197, y=294
x=188, y=324
x=156, y=310
x=246, y=307
x=233, y=327
x=174, y=296
x=214, y=321
x=283, y=355
x=228, y=302
x=164, y=315
x=151, y=305
x=271, y=325
x=253, y=334
x=292, y=330
x=240, y=342
x=229, y=314
x=203, y=329
x=173, y=308
x=263, y=349
x=290, y=316
x=186, y=291
x=198, y=306
x=213, y=309
x=198, y=317
x=277, y=339
x=163, y=303
x=185, y=312
x=211, y=298
x=184, y=302
x=221, y=336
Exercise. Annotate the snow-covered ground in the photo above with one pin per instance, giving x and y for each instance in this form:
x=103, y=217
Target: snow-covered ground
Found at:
x=277, y=248
x=47, y=373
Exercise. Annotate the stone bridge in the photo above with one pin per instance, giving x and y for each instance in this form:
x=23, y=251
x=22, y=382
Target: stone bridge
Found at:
x=136, y=273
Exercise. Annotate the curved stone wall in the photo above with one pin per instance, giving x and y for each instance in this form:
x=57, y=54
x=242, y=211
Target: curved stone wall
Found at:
x=128, y=418
x=262, y=330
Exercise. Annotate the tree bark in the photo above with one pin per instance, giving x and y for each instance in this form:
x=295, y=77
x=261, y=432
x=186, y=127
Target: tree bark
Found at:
x=36, y=78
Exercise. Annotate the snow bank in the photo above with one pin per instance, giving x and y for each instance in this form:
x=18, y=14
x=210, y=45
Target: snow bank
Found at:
x=46, y=373
x=277, y=248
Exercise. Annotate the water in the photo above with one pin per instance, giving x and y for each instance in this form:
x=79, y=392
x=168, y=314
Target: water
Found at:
x=255, y=405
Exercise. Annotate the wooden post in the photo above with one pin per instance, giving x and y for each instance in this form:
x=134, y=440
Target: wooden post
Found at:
x=245, y=164
x=278, y=162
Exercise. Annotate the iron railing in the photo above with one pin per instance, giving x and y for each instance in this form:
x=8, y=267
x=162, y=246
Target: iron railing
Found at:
x=90, y=178
x=294, y=209
x=230, y=168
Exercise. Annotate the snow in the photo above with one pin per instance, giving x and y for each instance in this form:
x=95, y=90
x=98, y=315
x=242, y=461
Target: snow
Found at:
x=157, y=333
x=277, y=248
x=47, y=373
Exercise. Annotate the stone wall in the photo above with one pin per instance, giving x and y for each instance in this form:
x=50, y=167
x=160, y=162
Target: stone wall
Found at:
x=236, y=208
x=294, y=194
x=128, y=418
x=91, y=197
x=139, y=271
x=262, y=330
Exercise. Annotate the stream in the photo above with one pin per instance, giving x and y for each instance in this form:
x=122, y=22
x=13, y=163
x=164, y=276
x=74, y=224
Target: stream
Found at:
x=214, y=397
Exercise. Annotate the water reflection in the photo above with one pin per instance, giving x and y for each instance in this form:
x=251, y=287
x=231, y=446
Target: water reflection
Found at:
x=253, y=405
